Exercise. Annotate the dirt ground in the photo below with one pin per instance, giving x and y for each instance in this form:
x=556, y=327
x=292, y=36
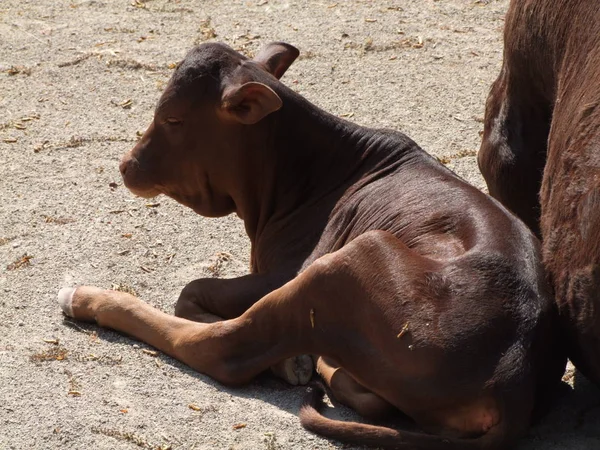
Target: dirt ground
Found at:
x=78, y=83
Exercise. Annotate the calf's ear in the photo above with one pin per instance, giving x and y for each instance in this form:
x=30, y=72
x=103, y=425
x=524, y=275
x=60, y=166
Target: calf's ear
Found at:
x=249, y=103
x=277, y=57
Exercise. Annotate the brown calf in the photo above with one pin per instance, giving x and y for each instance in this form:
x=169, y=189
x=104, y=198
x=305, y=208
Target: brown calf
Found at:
x=416, y=291
x=542, y=135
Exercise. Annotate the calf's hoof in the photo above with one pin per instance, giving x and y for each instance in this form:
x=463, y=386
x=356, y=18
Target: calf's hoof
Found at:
x=65, y=300
x=82, y=302
x=296, y=371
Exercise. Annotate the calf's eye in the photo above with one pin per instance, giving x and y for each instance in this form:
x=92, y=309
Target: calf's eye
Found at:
x=173, y=121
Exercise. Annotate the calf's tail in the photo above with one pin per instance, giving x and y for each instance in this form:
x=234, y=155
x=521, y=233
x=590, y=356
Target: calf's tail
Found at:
x=497, y=438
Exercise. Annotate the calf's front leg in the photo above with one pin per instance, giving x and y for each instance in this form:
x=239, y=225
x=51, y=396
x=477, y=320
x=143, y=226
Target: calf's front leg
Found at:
x=170, y=334
x=230, y=351
x=210, y=300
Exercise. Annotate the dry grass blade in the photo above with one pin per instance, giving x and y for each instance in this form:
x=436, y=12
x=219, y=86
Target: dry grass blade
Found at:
x=125, y=104
x=21, y=262
x=78, y=141
x=55, y=353
x=16, y=70
x=75, y=61
x=403, y=331
x=216, y=267
x=122, y=287
x=457, y=155
x=139, y=4
x=57, y=220
x=134, y=65
x=71, y=323
x=126, y=436
x=4, y=241
x=207, y=30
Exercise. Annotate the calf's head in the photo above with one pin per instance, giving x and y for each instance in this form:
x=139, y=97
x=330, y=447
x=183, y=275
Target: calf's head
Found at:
x=194, y=149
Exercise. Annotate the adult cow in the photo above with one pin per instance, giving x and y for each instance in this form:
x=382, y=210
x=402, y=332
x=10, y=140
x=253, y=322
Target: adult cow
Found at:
x=540, y=153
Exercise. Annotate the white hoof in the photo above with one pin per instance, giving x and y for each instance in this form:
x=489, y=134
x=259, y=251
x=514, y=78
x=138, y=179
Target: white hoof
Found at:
x=65, y=300
x=296, y=371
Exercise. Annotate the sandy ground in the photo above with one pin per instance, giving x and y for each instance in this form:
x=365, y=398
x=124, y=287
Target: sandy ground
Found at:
x=78, y=80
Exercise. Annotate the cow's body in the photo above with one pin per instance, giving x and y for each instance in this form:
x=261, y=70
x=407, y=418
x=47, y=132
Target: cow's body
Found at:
x=542, y=136
x=419, y=292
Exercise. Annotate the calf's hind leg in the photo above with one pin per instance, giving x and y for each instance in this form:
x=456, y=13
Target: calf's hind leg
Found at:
x=350, y=392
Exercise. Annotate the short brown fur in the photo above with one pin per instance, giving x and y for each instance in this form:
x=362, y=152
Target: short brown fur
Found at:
x=540, y=153
x=416, y=291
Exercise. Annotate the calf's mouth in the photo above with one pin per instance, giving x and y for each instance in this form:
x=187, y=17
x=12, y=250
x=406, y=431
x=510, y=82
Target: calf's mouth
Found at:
x=136, y=179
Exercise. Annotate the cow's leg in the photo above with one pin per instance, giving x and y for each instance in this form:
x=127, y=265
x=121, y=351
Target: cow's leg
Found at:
x=230, y=351
x=211, y=300
x=513, y=150
x=517, y=117
x=570, y=199
x=280, y=325
x=350, y=392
